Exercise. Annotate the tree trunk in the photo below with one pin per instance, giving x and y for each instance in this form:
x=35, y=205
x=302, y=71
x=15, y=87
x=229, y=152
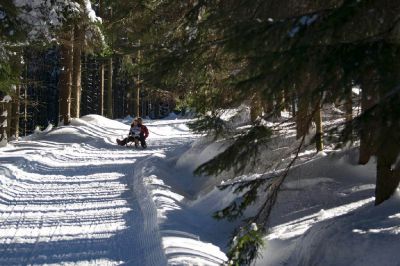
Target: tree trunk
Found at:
x=302, y=117
x=280, y=103
x=109, y=89
x=14, y=127
x=348, y=106
x=3, y=121
x=255, y=107
x=268, y=107
x=137, y=100
x=65, y=81
x=387, y=179
x=319, y=130
x=366, y=149
x=77, y=72
x=9, y=118
x=26, y=99
x=287, y=99
x=138, y=84
x=293, y=105
x=101, y=96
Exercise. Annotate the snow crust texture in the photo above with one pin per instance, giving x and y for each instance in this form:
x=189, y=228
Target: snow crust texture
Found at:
x=71, y=196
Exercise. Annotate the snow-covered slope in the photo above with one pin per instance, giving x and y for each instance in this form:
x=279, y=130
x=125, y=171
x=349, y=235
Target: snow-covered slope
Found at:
x=325, y=216
x=71, y=196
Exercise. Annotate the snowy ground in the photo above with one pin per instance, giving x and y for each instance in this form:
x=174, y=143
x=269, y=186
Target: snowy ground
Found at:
x=70, y=196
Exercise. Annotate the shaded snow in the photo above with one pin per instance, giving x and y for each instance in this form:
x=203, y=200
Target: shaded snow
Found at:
x=69, y=195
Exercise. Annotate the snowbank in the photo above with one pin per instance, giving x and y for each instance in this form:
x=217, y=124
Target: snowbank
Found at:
x=367, y=236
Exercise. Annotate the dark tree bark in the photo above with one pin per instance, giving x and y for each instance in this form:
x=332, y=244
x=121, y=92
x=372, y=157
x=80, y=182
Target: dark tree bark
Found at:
x=255, y=107
x=137, y=100
x=319, y=130
x=101, y=96
x=348, y=106
x=302, y=124
x=137, y=89
x=3, y=119
x=110, y=89
x=65, y=81
x=280, y=103
x=77, y=72
x=387, y=176
x=15, y=113
x=9, y=119
x=26, y=97
x=368, y=98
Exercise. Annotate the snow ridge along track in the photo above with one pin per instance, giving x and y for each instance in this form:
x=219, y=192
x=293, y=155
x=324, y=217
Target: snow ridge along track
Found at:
x=66, y=198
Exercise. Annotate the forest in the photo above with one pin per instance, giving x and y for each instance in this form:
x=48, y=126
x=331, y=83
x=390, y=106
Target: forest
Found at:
x=61, y=60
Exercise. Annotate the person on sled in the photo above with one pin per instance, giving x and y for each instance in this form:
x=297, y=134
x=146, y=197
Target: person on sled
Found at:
x=144, y=133
x=138, y=132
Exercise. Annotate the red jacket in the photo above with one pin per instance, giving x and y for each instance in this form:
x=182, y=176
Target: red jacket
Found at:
x=145, y=131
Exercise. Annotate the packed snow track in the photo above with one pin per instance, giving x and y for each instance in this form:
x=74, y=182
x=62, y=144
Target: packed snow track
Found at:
x=68, y=197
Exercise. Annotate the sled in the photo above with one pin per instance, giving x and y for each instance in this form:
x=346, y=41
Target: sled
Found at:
x=131, y=144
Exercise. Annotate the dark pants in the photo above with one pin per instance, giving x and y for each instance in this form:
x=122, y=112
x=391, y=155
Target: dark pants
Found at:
x=142, y=140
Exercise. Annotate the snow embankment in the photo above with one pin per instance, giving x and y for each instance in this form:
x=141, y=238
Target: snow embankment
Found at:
x=325, y=216
x=186, y=231
x=367, y=235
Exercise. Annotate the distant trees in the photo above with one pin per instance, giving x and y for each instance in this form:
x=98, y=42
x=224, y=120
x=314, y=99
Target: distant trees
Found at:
x=30, y=23
x=73, y=43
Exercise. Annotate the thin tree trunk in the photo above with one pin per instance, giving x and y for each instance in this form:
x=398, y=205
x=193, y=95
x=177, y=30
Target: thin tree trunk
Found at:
x=109, y=89
x=101, y=96
x=3, y=121
x=267, y=106
x=366, y=149
x=26, y=100
x=255, y=107
x=101, y=8
x=65, y=80
x=287, y=99
x=77, y=72
x=137, y=90
x=319, y=130
x=348, y=106
x=280, y=103
x=15, y=113
x=9, y=118
x=293, y=105
x=137, y=99
x=302, y=124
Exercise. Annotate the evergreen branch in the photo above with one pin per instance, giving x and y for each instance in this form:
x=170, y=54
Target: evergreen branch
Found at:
x=245, y=147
